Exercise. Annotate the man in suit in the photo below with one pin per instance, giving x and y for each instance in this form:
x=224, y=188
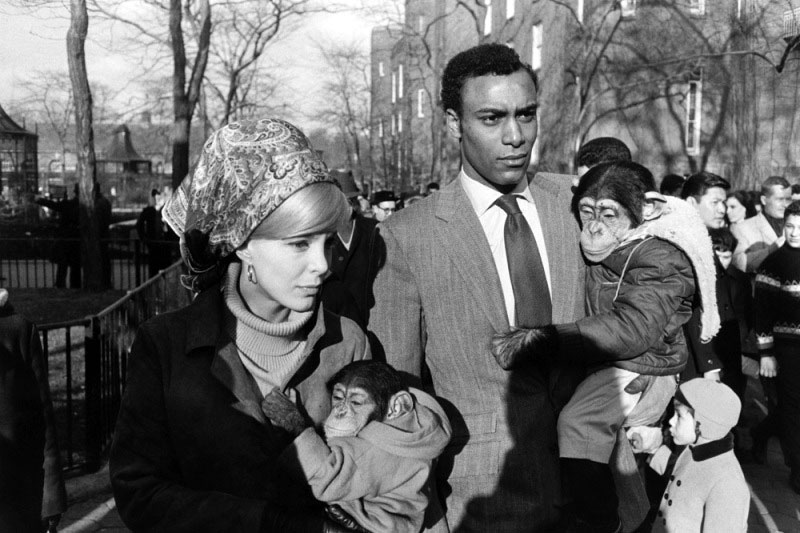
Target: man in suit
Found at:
x=354, y=259
x=447, y=288
x=762, y=234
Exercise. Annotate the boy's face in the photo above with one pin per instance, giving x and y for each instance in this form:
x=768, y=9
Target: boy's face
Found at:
x=682, y=425
x=791, y=230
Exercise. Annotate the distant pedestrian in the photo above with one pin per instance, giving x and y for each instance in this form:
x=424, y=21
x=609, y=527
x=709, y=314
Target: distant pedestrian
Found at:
x=777, y=319
x=67, y=246
x=153, y=234
x=102, y=214
x=384, y=204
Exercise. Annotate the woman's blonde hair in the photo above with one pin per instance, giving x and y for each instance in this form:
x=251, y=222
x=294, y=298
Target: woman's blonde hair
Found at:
x=316, y=208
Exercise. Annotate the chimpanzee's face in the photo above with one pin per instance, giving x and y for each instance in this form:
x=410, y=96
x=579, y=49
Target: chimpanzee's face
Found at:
x=352, y=408
x=605, y=224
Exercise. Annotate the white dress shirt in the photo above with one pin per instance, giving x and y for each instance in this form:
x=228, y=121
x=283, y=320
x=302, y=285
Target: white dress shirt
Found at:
x=493, y=220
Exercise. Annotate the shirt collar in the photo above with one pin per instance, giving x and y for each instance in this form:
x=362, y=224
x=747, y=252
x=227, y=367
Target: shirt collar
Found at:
x=482, y=197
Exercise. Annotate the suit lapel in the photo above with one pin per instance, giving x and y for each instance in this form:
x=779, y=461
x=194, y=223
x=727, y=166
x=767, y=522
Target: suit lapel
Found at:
x=464, y=240
x=550, y=208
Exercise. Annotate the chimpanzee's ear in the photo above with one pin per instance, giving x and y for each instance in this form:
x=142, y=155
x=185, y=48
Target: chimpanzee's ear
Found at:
x=399, y=404
x=653, y=206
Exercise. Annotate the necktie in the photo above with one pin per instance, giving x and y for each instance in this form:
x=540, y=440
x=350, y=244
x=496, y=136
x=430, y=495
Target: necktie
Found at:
x=532, y=298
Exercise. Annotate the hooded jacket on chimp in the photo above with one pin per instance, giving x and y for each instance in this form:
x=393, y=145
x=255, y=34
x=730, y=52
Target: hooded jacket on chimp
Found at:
x=639, y=297
x=380, y=476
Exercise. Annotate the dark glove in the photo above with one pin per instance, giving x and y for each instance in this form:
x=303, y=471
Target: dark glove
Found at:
x=520, y=345
x=341, y=517
x=283, y=412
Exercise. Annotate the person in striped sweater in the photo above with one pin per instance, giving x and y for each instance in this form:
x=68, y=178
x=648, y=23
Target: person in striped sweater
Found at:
x=778, y=331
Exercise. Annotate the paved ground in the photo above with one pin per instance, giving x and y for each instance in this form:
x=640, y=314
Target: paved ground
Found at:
x=773, y=506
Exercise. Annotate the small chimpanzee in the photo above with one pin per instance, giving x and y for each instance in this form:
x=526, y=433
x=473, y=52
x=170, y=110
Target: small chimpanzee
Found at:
x=382, y=439
x=640, y=289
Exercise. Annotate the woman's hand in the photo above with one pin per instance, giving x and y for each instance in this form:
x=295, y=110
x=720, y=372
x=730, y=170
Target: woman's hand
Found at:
x=283, y=412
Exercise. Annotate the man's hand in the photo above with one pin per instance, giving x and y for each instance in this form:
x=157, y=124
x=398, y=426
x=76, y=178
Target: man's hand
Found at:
x=518, y=345
x=644, y=439
x=769, y=366
x=283, y=412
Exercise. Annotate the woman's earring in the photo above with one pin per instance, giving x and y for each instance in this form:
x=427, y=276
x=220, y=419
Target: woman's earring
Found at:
x=251, y=274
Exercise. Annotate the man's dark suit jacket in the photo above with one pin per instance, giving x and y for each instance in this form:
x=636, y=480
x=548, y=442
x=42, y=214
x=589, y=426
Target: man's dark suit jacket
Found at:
x=348, y=291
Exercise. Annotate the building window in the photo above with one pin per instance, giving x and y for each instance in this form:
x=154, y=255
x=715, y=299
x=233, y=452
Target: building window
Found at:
x=399, y=122
x=394, y=87
x=536, y=46
x=487, y=19
x=694, y=112
x=697, y=7
x=380, y=128
x=511, y=6
x=394, y=125
x=791, y=23
x=420, y=100
x=381, y=73
x=628, y=8
x=400, y=82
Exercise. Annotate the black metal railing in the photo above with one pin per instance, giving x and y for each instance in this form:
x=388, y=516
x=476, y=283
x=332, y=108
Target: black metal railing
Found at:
x=33, y=263
x=88, y=360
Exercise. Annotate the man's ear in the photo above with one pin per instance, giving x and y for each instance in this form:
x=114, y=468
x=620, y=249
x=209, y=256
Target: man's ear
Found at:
x=692, y=201
x=399, y=404
x=454, y=124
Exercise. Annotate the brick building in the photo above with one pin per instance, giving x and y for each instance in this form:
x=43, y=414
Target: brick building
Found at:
x=687, y=84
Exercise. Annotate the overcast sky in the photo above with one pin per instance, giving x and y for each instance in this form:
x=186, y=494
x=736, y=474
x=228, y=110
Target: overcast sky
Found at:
x=38, y=41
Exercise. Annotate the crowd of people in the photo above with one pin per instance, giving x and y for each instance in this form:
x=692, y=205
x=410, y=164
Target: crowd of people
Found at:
x=509, y=353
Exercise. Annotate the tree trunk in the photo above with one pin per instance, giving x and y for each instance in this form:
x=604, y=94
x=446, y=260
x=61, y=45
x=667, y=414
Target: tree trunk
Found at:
x=84, y=136
x=185, y=98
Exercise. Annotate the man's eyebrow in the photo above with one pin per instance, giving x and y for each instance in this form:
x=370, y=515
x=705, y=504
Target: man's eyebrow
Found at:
x=495, y=110
x=528, y=108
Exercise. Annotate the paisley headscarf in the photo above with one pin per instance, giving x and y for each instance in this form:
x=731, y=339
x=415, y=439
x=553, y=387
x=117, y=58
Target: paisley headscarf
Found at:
x=247, y=169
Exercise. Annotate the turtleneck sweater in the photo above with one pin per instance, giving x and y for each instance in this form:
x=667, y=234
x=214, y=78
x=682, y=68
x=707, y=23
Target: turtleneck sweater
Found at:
x=270, y=351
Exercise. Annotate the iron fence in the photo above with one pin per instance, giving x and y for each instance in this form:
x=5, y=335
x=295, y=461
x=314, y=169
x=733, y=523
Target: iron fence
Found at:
x=88, y=359
x=32, y=263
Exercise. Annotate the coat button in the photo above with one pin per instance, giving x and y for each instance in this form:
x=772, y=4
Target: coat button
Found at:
x=666, y=496
x=679, y=483
x=672, y=478
x=669, y=502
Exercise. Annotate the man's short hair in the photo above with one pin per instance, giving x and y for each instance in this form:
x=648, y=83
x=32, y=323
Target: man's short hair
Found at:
x=481, y=60
x=602, y=150
x=154, y=192
x=672, y=184
x=698, y=184
x=793, y=210
x=796, y=188
x=773, y=181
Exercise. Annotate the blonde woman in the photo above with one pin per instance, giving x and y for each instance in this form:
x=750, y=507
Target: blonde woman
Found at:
x=193, y=450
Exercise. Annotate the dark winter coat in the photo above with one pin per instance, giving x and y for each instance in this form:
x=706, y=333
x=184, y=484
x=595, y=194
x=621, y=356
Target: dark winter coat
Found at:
x=636, y=324
x=193, y=450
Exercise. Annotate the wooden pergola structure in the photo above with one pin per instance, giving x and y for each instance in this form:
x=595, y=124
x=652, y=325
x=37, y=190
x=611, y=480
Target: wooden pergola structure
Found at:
x=19, y=159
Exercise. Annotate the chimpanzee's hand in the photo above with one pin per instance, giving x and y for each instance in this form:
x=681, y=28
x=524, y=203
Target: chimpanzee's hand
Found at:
x=283, y=412
x=522, y=344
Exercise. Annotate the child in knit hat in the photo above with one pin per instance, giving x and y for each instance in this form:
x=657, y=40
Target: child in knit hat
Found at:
x=706, y=489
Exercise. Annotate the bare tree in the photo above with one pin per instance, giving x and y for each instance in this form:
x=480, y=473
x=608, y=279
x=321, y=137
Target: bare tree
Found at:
x=242, y=33
x=84, y=135
x=48, y=99
x=346, y=96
